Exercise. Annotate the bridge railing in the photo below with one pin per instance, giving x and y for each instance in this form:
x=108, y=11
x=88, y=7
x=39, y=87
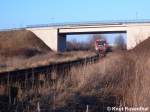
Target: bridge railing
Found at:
x=104, y=22
x=107, y=22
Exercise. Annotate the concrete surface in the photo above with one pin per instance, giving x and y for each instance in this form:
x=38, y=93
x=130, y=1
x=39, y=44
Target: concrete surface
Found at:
x=55, y=37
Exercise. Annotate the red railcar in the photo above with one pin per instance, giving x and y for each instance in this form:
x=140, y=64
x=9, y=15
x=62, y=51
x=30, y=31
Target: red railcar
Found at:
x=102, y=47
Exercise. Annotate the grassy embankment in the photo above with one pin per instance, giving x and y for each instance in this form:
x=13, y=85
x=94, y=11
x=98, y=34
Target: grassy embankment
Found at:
x=120, y=79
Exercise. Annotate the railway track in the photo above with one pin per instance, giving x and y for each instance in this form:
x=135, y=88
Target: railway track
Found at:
x=61, y=68
x=29, y=79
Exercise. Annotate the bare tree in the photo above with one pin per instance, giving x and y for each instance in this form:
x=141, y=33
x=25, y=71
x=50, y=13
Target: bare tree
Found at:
x=74, y=45
x=120, y=43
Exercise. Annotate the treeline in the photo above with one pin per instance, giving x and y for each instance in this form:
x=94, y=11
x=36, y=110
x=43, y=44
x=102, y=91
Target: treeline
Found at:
x=88, y=45
x=75, y=46
x=119, y=43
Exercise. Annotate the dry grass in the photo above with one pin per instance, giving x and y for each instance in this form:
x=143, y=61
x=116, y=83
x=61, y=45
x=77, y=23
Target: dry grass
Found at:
x=21, y=49
x=118, y=78
x=21, y=43
x=121, y=79
x=15, y=63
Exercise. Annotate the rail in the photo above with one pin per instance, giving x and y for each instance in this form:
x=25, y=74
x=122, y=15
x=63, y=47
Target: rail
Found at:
x=57, y=67
x=26, y=80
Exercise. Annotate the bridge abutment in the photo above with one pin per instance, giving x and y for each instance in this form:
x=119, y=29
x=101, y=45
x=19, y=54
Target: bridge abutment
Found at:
x=137, y=34
x=48, y=35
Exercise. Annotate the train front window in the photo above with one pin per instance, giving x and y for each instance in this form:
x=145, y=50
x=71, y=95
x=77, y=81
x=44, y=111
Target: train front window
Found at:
x=101, y=43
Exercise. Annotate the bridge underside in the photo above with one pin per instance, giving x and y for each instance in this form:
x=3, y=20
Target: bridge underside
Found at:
x=98, y=32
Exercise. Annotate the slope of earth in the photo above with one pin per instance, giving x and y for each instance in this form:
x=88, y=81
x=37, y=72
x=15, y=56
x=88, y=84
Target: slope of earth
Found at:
x=22, y=43
x=20, y=49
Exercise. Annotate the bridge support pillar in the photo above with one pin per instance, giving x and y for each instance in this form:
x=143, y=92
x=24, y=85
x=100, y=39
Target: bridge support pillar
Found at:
x=61, y=44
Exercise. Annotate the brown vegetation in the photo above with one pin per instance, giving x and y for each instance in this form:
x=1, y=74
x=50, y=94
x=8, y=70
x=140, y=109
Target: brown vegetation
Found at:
x=20, y=43
x=143, y=47
x=20, y=49
x=120, y=79
x=13, y=63
x=124, y=77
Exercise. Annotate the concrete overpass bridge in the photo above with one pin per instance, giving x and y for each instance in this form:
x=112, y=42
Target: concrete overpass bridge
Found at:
x=55, y=36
